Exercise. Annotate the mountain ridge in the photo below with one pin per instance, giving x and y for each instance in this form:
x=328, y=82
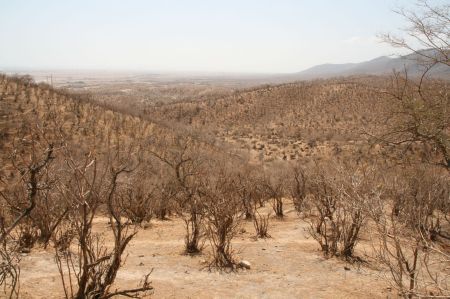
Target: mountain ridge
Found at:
x=381, y=65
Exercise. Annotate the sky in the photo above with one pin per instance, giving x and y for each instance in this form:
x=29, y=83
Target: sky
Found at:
x=251, y=36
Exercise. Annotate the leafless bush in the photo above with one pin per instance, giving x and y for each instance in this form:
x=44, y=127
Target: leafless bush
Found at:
x=274, y=186
x=9, y=266
x=297, y=186
x=31, y=155
x=249, y=188
x=137, y=203
x=419, y=110
x=193, y=221
x=338, y=200
x=165, y=194
x=261, y=224
x=222, y=207
x=185, y=166
x=411, y=243
x=91, y=271
x=21, y=200
x=27, y=236
x=244, y=189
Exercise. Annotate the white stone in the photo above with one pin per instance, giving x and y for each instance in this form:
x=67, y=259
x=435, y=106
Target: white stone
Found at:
x=245, y=264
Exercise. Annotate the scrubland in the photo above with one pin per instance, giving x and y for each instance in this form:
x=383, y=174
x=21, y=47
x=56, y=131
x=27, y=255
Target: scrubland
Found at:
x=284, y=191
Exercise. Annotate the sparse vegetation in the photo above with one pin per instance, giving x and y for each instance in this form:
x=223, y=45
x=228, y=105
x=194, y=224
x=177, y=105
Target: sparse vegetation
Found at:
x=350, y=172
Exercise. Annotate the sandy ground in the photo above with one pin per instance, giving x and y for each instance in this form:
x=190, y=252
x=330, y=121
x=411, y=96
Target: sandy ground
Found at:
x=288, y=265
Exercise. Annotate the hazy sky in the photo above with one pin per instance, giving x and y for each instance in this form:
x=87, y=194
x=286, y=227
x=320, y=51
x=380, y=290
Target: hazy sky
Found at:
x=193, y=35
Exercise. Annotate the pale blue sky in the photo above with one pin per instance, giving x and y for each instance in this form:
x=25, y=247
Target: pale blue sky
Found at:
x=226, y=36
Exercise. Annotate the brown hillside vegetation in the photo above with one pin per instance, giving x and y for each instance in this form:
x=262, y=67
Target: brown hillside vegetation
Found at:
x=176, y=200
x=211, y=186
x=297, y=121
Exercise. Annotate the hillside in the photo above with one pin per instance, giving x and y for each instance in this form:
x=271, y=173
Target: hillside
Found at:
x=289, y=121
x=383, y=65
x=159, y=185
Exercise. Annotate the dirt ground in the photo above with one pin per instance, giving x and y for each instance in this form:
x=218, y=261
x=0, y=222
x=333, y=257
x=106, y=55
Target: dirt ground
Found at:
x=288, y=265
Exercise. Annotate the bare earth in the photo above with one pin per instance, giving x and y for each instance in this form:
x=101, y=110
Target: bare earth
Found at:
x=288, y=265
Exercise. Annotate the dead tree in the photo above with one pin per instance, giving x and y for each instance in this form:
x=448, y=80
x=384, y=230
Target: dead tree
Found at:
x=261, y=224
x=419, y=112
x=248, y=187
x=222, y=207
x=9, y=266
x=274, y=187
x=409, y=239
x=185, y=166
x=338, y=199
x=30, y=176
x=93, y=268
x=297, y=186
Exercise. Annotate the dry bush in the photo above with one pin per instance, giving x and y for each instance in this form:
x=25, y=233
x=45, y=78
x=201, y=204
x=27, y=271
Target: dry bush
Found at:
x=412, y=222
x=338, y=198
x=181, y=155
x=223, y=217
x=419, y=109
x=91, y=271
x=297, y=186
x=50, y=183
x=166, y=191
x=412, y=244
x=24, y=179
x=261, y=224
x=275, y=189
x=9, y=266
x=249, y=188
x=138, y=202
x=48, y=215
x=421, y=194
x=20, y=196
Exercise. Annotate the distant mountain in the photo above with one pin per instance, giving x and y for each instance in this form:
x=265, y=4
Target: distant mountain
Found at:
x=378, y=66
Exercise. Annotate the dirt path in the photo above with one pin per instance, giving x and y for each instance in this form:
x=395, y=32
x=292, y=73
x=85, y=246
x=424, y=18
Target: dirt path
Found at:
x=288, y=265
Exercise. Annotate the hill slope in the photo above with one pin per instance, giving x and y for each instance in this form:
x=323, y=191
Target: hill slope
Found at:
x=378, y=66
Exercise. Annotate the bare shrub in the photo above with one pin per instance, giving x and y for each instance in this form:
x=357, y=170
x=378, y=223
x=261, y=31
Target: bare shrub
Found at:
x=410, y=241
x=297, y=186
x=9, y=267
x=21, y=199
x=337, y=215
x=91, y=271
x=419, y=110
x=27, y=236
x=182, y=157
x=261, y=224
x=137, y=203
x=274, y=186
x=222, y=207
x=247, y=189
x=164, y=197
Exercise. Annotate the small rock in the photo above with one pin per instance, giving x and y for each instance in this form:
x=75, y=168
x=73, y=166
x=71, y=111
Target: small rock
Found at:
x=245, y=264
x=141, y=264
x=347, y=268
